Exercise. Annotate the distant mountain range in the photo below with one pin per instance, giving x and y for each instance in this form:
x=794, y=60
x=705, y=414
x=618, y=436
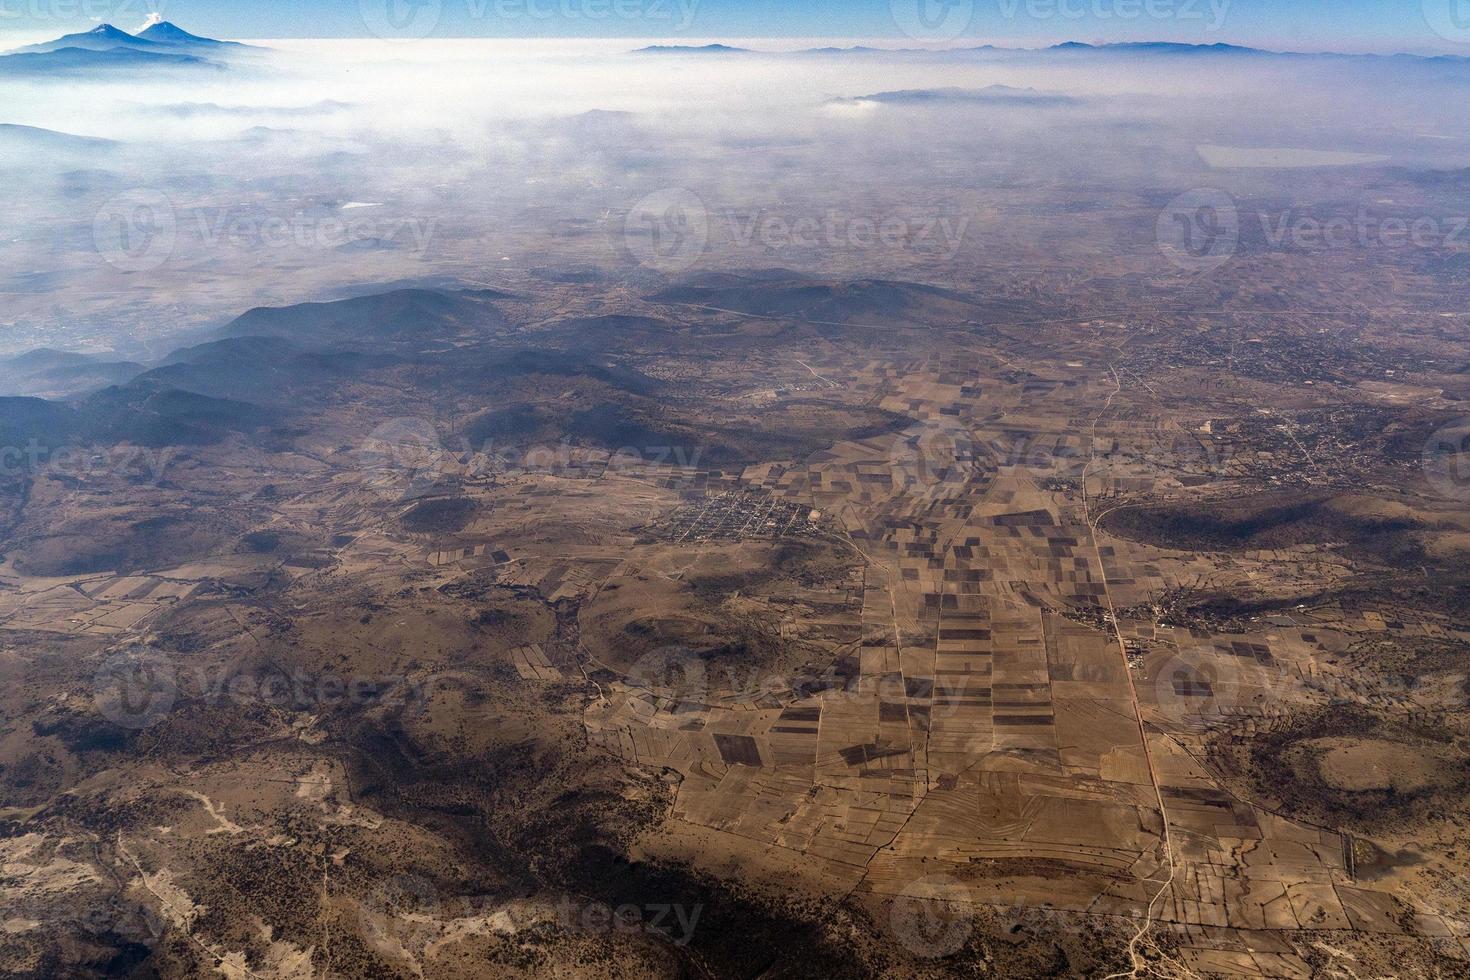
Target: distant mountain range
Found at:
x=165, y=45
x=13, y=136
x=1074, y=48
x=692, y=49
x=49, y=373
x=272, y=369
x=258, y=369
x=22, y=146
x=192, y=110
x=164, y=32
x=106, y=48
x=1000, y=95
x=1159, y=47
x=397, y=317
x=103, y=37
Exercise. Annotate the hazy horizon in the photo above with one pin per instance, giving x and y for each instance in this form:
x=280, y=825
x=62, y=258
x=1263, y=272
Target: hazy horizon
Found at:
x=1377, y=26
x=502, y=507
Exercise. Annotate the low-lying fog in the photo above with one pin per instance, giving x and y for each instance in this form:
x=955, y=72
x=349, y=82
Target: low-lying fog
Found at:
x=177, y=200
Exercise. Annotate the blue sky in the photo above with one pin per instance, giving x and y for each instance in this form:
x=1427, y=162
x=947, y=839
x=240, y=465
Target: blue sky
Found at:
x=1400, y=25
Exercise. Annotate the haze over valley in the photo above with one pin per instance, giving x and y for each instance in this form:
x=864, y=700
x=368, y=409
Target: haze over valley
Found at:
x=733, y=507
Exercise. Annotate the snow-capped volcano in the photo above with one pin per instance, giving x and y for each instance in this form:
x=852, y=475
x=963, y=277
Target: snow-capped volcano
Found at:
x=158, y=44
x=103, y=37
x=161, y=31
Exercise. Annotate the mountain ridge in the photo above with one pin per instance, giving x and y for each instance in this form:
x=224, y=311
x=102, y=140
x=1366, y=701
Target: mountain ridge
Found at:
x=158, y=45
x=1217, y=49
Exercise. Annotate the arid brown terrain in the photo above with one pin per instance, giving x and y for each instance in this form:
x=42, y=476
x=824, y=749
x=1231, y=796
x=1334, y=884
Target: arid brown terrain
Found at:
x=511, y=512
x=531, y=634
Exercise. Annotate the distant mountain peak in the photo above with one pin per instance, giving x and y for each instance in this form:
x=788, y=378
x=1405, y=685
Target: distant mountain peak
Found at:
x=998, y=95
x=692, y=49
x=107, y=32
x=156, y=37
x=170, y=33
x=51, y=138
x=1167, y=47
x=103, y=37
